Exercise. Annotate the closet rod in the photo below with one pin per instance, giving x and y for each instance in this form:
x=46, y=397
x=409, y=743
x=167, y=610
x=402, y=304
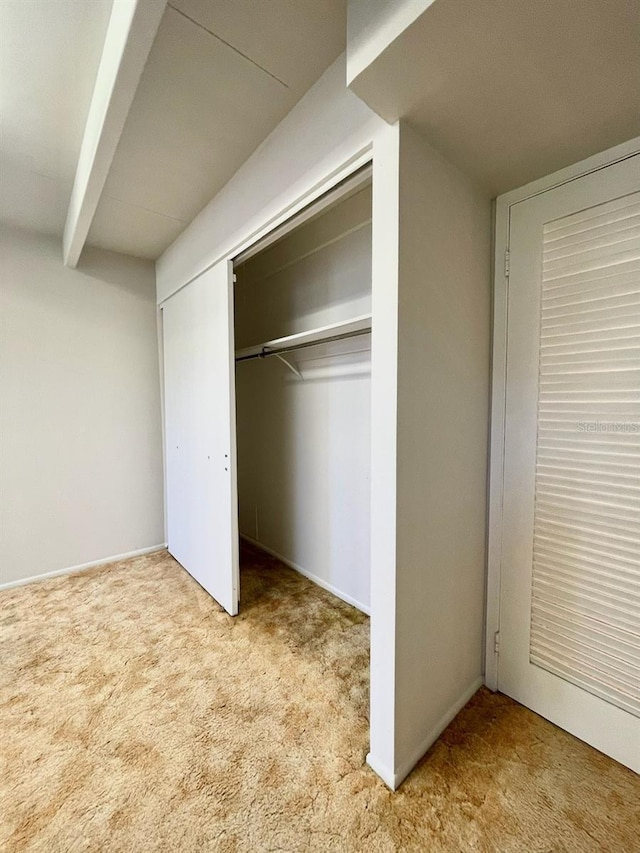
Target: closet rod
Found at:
x=267, y=351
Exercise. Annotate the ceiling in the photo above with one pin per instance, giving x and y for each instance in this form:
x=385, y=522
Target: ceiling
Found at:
x=48, y=65
x=512, y=90
x=219, y=78
x=509, y=90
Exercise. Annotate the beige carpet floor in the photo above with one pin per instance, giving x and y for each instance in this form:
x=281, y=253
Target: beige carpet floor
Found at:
x=137, y=716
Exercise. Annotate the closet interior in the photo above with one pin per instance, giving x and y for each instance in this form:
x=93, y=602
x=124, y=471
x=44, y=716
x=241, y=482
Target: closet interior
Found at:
x=302, y=305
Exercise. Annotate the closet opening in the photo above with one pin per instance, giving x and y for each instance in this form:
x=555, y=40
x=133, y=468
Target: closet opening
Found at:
x=302, y=325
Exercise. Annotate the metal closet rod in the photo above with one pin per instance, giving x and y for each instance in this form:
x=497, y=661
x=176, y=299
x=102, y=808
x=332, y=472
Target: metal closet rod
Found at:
x=267, y=351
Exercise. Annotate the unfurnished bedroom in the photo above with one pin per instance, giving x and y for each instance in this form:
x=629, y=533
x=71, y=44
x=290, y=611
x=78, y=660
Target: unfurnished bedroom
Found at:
x=319, y=426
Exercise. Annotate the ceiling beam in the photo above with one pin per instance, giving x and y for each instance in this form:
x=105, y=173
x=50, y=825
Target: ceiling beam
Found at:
x=130, y=35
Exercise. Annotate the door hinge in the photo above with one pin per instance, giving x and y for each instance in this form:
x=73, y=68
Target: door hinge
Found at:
x=507, y=258
x=496, y=642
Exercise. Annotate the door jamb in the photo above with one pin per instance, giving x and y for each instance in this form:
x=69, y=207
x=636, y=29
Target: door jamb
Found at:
x=499, y=376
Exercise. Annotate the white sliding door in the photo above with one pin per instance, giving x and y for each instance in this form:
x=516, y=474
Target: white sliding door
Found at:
x=200, y=432
x=570, y=589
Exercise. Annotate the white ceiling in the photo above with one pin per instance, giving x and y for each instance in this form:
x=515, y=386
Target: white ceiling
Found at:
x=509, y=89
x=49, y=55
x=220, y=76
x=512, y=90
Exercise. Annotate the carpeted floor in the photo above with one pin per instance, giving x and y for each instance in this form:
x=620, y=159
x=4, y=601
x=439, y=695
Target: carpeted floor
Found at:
x=137, y=716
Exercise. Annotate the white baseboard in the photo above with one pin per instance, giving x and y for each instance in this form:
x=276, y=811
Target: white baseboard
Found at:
x=393, y=779
x=385, y=773
x=83, y=566
x=319, y=581
x=407, y=766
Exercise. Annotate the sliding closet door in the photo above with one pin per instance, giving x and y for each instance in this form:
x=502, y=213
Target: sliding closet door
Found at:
x=199, y=377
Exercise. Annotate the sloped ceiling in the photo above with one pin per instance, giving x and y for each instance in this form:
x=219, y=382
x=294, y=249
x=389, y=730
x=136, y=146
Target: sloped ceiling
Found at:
x=219, y=78
x=508, y=89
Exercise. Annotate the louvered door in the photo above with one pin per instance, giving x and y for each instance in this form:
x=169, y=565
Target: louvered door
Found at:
x=570, y=594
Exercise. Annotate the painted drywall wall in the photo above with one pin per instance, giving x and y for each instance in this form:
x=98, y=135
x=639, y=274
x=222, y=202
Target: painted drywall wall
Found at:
x=329, y=127
x=443, y=402
x=304, y=443
x=81, y=451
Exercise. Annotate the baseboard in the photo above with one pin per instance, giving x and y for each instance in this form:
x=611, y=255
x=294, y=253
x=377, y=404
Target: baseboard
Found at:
x=384, y=772
x=83, y=566
x=407, y=766
x=319, y=581
x=393, y=779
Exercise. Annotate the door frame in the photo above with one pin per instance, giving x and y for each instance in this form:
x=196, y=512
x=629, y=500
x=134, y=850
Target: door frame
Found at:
x=503, y=206
x=382, y=154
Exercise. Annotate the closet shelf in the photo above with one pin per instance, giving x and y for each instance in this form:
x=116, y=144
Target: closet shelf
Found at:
x=360, y=325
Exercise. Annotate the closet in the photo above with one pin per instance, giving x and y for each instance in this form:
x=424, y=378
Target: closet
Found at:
x=330, y=404
x=267, y=403
x=303, y=393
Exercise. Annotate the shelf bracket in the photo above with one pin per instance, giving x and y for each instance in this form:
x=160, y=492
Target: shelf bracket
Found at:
x=291, y=367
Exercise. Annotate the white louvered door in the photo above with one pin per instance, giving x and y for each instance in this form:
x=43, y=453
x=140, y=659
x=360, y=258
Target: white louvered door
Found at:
x=570, y=587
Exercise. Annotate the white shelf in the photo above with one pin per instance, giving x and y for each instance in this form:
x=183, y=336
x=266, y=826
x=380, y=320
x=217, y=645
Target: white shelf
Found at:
x=345, y=327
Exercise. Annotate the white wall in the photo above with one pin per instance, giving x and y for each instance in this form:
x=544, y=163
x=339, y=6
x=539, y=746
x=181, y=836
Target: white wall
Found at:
x=443, y=401
x=80, y=453
x=304, y=444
